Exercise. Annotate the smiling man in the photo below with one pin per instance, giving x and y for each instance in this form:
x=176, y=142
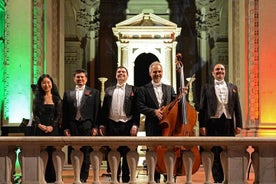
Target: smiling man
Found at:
x=120, y=116
x=219, y=114
x=81, y=107
x=151, y=98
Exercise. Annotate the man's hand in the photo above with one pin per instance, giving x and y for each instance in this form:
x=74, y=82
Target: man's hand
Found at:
x=67, y=132
x=238, y=130
x=102, y=130
x=134, y=131
x=48, y=129
x=159, y=113
x=185, y=90
x=94, y=131
x=203, y=131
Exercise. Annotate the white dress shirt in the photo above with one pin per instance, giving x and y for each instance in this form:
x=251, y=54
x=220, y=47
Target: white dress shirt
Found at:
x=158, y=92
x=222, y=97
x=117, y=112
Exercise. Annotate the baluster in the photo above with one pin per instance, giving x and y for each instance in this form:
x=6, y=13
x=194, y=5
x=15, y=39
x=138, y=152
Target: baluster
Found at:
x=224, y=164
x=96, y=157
x=58, y=161
x=207, y=158
x=77, y=159
x=132, y=160
x=255, y=164
x=188, y=161
x=114, y=161
x=11, y=163
x=151, y=160
x=170, y=159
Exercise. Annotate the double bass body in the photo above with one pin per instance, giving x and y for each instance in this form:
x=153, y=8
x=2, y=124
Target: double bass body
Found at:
x=172, y=125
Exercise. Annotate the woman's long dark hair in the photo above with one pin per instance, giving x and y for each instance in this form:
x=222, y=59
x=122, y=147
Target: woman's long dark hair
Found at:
x=41, y=92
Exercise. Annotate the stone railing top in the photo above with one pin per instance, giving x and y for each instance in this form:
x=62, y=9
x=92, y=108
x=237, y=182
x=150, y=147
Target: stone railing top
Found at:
x=135, y=141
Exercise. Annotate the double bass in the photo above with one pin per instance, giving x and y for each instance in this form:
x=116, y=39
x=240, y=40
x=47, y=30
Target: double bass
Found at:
x=179, y=119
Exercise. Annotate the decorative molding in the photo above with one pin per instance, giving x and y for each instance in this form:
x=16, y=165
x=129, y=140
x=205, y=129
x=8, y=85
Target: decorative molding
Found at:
x=253, y=62
x=134, y=38
x=38, y=39
x=234, y=69
x=88, y=15
x=208, y=15
x=2, y=5
x=55, y=39
x=5, y=68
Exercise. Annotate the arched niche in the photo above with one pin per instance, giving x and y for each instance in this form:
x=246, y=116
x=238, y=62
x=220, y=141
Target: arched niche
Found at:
x=147, y=33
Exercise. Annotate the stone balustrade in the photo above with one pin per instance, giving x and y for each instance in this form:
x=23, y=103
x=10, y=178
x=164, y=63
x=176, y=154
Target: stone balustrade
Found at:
x=235, y=157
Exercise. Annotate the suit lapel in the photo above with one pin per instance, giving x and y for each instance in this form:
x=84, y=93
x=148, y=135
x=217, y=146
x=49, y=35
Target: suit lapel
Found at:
x=213, y=92
x=128, y=90
x=165, y=94
x=230, y=94
x=109, y=95
x=152, y=94
x=73, y=96
x=86, y=93
x=111, y=91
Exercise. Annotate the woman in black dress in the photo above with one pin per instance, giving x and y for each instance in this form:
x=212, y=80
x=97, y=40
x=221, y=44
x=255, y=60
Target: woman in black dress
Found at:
x=47, y=114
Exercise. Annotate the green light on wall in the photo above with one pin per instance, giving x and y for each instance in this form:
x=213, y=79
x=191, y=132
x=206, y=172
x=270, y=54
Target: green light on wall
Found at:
x=18, y=67
x=2, y=30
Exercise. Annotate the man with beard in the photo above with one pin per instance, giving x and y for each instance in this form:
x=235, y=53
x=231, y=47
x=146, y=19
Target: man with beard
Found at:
x=219, y=114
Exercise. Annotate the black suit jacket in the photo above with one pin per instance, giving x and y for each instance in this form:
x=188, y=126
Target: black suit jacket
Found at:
x=89, y=107
x=129, y=104
x=147, y=103
x=208, y=104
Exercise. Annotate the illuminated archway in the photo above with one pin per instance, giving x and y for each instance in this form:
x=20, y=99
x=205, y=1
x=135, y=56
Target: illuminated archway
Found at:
x=147, y=33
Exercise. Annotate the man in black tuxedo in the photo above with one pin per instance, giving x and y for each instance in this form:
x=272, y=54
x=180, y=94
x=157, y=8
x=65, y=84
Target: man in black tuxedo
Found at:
x=219, y=114
x=81, y=108
x=120, y=116
x=150, y=100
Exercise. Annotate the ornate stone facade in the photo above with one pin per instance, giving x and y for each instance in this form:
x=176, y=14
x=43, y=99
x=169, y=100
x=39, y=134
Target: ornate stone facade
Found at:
x=253, y=63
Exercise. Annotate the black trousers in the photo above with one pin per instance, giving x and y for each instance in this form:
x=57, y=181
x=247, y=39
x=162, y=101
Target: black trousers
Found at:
x=50, y=174
x=219, y=127
x=121, y=129
x=83, y=128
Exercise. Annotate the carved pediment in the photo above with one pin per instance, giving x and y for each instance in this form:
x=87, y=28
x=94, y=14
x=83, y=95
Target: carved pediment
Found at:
x=146, y=26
